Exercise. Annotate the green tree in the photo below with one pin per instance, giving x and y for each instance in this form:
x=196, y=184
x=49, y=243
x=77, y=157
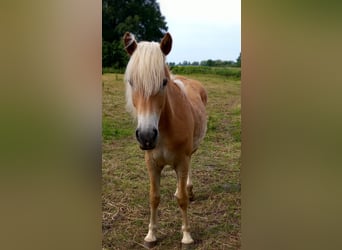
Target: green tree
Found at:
x=140, y=17
x=210, y=63
x=203, y=63
x=238, y=61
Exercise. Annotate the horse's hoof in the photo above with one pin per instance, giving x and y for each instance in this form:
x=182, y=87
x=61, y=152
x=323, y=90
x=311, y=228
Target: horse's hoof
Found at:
x=150, y=244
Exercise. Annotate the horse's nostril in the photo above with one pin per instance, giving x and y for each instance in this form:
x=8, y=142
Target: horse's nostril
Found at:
x=137, y=132
x=155, y=133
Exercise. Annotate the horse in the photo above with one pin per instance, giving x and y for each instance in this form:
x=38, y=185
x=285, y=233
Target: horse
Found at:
x=171, y=122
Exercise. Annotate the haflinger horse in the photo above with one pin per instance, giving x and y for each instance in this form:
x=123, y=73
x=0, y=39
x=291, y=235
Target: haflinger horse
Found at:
x=171, y=121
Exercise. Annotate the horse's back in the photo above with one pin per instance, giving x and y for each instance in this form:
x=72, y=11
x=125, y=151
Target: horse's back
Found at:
x=193, y=88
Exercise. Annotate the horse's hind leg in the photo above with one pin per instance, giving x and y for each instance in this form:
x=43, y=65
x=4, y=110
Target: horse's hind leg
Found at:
x=189, y=185
x=183, y=199
x=154, y=174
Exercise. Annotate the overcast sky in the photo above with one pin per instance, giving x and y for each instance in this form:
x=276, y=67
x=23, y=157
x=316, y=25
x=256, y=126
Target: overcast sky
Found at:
x=203, y=29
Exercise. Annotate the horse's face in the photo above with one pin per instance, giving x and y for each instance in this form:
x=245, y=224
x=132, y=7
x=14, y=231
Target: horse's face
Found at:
x=147, y=94
x=148, y=111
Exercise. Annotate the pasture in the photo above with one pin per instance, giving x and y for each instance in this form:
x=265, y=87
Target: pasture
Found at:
x=215, y=213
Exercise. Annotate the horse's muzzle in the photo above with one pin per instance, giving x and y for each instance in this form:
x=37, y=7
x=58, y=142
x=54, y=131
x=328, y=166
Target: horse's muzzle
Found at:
x=147, y=139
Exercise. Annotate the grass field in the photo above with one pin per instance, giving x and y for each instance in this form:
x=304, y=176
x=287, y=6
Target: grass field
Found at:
x=214, y=215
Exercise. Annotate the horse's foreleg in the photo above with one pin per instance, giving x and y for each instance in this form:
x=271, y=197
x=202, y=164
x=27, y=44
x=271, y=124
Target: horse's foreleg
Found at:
x=154, y=174
x=182, y=170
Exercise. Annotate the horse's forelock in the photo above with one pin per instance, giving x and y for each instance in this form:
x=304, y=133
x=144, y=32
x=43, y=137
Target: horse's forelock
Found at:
x=146, y=68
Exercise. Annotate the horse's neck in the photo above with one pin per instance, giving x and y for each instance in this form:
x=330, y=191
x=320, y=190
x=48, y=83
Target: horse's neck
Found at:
x=168, y=111
x=174, y=101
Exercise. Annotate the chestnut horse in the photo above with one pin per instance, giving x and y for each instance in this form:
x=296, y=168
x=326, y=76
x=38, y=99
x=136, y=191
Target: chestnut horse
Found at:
x=172, y=121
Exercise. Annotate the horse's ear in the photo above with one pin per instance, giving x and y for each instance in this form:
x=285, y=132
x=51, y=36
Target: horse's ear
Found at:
x=130, y=43
x=166, y=43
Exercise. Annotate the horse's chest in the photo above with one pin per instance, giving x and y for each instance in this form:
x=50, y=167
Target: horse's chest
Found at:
x=163, y=156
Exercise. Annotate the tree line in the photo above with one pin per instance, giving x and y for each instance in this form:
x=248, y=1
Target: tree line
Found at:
x=209, y=63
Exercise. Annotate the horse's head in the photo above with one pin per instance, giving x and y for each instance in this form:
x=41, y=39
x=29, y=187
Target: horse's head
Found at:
x=146, y=80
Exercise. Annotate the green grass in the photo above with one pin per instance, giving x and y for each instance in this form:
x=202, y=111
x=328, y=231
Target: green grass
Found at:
x=113, y=130
x=231, y=72
x=107, y=70
x=214, y=215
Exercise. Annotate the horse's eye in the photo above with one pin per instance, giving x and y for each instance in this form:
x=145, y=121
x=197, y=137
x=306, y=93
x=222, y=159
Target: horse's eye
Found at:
x=164, y=82
x=130, y=83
